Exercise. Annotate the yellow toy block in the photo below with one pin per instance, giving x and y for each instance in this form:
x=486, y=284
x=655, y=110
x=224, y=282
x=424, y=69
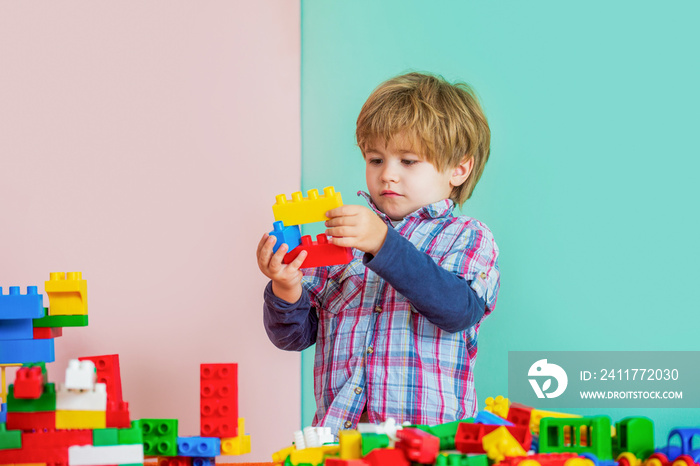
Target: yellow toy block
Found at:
x=281, y=455
x=301, y=210
x=498, y=406
x=239, y=445
x=67, y=296
x=313, y=455
x=81, y=419
x=537, y=414
x=350, y=444
x=500, y=443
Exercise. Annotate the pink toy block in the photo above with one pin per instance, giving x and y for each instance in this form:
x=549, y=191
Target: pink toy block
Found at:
x=320, y=253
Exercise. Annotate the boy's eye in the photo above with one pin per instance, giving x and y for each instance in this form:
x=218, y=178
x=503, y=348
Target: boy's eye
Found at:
x=409, y=162
x=374, y=161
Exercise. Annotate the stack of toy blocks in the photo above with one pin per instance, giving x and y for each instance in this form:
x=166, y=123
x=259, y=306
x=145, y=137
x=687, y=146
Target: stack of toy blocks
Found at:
x=18, y=342
x=290, y=214
x=108, y=373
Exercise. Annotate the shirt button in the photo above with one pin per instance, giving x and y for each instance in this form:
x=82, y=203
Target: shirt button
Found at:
x=482, y=275
x=348, y=424
x=358, y=390
x=370, y=350
x=377, y=309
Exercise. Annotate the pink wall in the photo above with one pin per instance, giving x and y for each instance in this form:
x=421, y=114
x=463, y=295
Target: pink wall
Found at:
x=142, y=143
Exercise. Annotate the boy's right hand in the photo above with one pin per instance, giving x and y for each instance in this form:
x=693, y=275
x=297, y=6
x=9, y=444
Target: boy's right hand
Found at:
x=286, y=278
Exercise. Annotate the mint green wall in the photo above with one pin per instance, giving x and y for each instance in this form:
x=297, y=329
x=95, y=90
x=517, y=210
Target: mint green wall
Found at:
x=591, y=190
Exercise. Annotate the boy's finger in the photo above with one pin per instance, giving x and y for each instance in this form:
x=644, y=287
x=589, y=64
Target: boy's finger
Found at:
x=267, y=245
x=339, y=231
x=278, y=256
x=346, y=242
x=262, y=242
x=341, y=211
x=298, y=260
x=340, y=221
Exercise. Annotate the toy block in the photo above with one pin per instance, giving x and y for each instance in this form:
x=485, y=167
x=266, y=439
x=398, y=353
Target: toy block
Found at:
x=469, y=436
x=291, y=236
x=21, y=306
x=344, y=462
x=31, y=420
x=418, y=446
x=320, y=253
x=456, y=459
x=3, y=413
x=312, y=455
x=301, y=210
x=203, y=461
x=130, y=435
x=485, y=417
x=537, y=414
x=198, y=446
x=105, y=437
x=80, y=419
x=159, y=436
x=499, y=444
x=80, y=375
x=56, y=438
x=50, y=456
x=174, y=461
x=543, y=459
x=43, y=333
x=48, y=321
x=108, y=372
x=595, y=429
x=22, y=351
x=105, y=455
x=373, y=441
x=29, y=382
x=67, y=294
x=497, y=406
x=278, y=456
x=446, y=433
x=82, y=400
x=386, y=457
x=519, y=414
x=219, y=400
x=16, y=329
x=10, y=438
x=118, y=414
x=350, y=444
x=45, y=402
x=634, y=435
x=238, y=445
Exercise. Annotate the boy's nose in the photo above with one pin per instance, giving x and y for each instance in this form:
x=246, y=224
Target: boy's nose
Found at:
x=389, y=175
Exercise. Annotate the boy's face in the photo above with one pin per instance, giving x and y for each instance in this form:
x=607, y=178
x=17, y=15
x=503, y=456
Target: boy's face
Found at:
x=400, y=181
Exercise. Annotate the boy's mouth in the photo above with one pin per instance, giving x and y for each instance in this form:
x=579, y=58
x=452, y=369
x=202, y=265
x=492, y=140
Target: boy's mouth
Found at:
x=389, y=193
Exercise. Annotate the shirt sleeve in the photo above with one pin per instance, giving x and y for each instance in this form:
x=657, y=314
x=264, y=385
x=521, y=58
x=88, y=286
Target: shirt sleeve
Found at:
x=441, y=291
x=289, y=326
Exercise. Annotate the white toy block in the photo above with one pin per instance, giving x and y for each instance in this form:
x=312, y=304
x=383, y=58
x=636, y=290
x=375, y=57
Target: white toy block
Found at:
x=299, y=442
x=89, y=455
x=88, y=400
x=80, y=375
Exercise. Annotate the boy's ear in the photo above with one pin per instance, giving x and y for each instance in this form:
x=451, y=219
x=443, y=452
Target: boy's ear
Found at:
x=461, y=172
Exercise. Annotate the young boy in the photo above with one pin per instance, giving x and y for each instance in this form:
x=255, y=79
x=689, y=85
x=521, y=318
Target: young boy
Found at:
x=396, y=328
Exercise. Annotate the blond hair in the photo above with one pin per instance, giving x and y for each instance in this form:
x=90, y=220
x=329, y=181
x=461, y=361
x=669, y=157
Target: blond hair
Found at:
x=443, y=121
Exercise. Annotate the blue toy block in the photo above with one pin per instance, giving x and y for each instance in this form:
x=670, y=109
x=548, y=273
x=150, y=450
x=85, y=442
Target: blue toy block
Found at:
x=24, y=351
x=3, y=413
x=198, y=446
x=485, y=417
x=21, y=306
x=16, y=329
x=290, y=235
x=203, y=461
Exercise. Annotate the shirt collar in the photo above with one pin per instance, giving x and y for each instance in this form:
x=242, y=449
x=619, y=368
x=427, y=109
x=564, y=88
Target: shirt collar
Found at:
x=437, y=209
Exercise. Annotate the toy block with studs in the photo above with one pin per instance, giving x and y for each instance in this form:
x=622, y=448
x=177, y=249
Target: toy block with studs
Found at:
x=80, y=375
x=320, y=253
x=238, y=445
x=89, y=455
x=108, y=373
x=198, y=446
x=159, y=436
x=81, y=419
x=291, y=236
x=67, y=293
x=301, y=210
x=219, y=400
x=21, y=306
x=29, y=382
x=25, y=351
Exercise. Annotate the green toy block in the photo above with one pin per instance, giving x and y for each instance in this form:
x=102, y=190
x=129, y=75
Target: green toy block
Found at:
x=446, y=433
x=159, y=437
x=132, y=435
x=60, y=321
x=372, y=441
x=595, y=430
x=46, y=402
x=456, y=459
x=635, y=435
x=10, y=439
x=105, y=437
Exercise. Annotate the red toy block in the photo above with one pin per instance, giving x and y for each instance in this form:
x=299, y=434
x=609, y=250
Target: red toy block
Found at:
x=174, y=461
x=29, y=383
x=51, y=456
x=219, y=400
x=417, y=445
x=31, y=421
x=468, y=438
x=519, y=414
x=545, y=459
x=44, y=333
x=108, y=373
x=386, y=457
x=118, y=414
x=338, y=462
x=320, y=253
x=56, y=438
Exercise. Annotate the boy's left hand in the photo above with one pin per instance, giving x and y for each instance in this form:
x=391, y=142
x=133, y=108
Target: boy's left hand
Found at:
x=356, y=226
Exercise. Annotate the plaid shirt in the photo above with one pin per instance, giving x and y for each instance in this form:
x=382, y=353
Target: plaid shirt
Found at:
x=373, y=348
